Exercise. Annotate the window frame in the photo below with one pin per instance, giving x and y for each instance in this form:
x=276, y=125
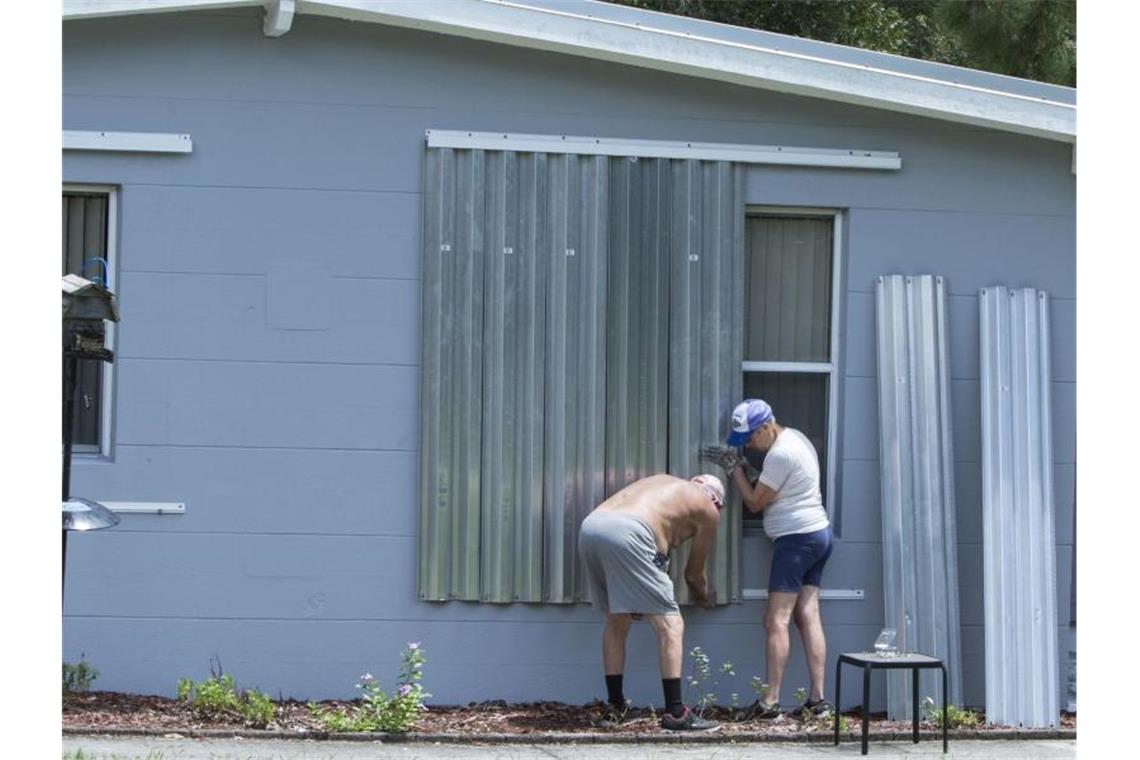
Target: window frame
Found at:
x=829, y=368
x=102, y=450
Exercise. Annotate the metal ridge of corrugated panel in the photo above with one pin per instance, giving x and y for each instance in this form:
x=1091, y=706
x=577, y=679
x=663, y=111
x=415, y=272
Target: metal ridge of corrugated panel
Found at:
x=920, y=566
x=1020, y=575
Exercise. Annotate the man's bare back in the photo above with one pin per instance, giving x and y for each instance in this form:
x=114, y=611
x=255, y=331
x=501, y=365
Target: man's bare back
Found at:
x=674, y=508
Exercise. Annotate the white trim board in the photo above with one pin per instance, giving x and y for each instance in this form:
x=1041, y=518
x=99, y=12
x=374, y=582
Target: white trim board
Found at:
x=128, y=142
x=581, y=29
x=846, y=158
x=850, y=594
x=146, y=507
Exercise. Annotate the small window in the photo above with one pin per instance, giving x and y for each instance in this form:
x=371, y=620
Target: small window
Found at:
x=87, y=224
x=789, y=334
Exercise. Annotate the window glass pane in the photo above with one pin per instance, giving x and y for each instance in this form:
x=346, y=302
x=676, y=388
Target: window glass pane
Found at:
x=788, y=295
x=85, y=238
x=799, y=400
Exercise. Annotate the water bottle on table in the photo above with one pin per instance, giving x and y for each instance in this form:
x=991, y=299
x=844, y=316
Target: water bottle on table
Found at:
x=885, y=644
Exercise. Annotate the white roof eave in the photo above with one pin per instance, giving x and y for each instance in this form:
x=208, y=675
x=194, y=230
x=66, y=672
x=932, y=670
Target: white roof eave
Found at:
x=637, y=44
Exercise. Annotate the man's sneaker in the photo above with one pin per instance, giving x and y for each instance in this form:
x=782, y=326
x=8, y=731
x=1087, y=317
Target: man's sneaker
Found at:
x=817, y=708
x=760, y=711
x=614, y=715
x=689, y=721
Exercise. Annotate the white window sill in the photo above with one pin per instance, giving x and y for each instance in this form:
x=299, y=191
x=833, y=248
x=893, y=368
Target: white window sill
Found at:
x=850, y=594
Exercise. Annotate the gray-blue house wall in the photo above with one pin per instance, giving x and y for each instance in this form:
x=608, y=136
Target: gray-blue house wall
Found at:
x=296, y=450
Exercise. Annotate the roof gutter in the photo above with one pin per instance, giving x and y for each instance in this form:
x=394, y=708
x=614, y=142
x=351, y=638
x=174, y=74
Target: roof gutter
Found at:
x=638, y=44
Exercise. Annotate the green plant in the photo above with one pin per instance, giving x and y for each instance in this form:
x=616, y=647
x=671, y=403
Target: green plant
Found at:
x=78, y=677
x=379, y=711
x=219, y=697
x=699, y=680
x=759, y=687
x=956, y=717
x=811, y=721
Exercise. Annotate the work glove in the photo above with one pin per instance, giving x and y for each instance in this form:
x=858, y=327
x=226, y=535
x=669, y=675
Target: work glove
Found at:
x=723, y=457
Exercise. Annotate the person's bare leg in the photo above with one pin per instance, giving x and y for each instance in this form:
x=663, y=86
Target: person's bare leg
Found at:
x=670, y=630
x=613, y=643
x=776, y=619
x=807, y=619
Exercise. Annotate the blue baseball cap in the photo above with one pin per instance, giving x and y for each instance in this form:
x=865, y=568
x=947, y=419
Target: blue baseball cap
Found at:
x=749, y=416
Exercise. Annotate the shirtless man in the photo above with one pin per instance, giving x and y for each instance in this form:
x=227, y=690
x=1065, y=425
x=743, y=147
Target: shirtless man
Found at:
x=624, y=544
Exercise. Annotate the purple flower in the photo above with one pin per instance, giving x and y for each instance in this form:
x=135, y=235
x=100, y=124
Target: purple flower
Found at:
x=413, y=645
x=367, y=678
x=404, y=689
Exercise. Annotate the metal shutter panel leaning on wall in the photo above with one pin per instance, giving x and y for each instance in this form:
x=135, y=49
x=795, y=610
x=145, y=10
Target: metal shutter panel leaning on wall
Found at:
x=1020, y=574
x=920, y=546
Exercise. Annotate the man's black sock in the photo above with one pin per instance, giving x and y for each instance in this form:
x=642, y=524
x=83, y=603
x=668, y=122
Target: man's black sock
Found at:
x=673, y=703
x=613, y=686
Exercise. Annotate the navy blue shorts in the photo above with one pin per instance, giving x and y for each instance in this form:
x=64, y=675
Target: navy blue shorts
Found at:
x=798, y=560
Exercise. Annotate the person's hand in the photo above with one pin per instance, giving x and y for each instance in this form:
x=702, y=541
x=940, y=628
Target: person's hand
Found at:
x=703, y=593
x=723, y=457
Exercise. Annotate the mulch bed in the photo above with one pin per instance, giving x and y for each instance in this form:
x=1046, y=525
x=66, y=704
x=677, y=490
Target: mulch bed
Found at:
x=104, y=711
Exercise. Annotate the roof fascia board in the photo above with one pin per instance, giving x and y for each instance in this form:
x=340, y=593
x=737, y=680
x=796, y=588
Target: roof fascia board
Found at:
x=81, y=9
x=752, y=66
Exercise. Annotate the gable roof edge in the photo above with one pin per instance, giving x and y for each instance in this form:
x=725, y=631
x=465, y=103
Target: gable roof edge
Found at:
x=573, y=32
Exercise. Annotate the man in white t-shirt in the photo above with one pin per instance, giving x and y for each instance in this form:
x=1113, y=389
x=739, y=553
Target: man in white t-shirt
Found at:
x=787, y=493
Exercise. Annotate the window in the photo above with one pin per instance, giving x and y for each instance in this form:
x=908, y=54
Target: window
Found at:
x=88, y=229
x=791, y=270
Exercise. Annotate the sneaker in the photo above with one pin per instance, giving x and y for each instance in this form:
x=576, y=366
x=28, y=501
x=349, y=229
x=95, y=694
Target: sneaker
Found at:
x=816, y=708
x=689, y=721
x=614, y=715
x=761, y=711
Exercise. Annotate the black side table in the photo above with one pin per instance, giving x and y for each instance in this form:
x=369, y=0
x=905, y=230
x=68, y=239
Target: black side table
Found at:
x=869, y=661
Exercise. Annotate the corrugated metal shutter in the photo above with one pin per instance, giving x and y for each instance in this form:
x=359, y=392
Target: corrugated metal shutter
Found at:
x=451, y=423
x=706, y=327
x=637, y=337
x=568, y=345
x=1018, y=511
x=920, y=565
x=515, y=314
x=575, y=376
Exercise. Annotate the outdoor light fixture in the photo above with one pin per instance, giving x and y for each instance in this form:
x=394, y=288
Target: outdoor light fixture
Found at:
x=87, y=306
x=84, y=514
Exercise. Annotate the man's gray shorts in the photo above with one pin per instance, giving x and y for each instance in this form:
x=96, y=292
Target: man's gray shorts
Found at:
x=621, y=559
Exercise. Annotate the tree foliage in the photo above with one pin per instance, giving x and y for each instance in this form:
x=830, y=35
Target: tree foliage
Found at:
x=1033, y=39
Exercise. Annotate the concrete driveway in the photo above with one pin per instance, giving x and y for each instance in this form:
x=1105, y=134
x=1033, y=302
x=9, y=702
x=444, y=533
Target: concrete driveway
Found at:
x=158, y=748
